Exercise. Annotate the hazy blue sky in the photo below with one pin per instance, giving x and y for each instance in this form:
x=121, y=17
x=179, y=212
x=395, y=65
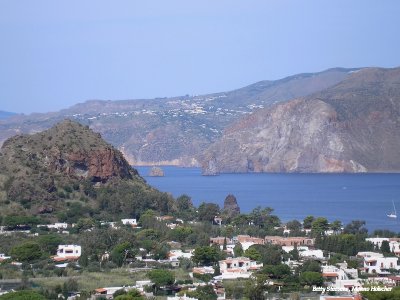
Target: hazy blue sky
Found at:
x=54, y=54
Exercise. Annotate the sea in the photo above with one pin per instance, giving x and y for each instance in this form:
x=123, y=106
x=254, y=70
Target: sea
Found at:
x=344, y=197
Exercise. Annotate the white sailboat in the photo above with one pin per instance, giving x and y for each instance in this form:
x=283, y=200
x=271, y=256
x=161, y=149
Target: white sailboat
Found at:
x=394, y=213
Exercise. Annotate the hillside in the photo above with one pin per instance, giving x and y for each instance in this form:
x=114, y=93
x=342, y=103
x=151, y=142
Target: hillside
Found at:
x=174, y=130
x=353, y=126
x=70, y=166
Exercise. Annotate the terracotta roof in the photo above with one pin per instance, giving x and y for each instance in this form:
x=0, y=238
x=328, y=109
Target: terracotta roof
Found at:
x=100, y=290
x=59, y=258
x=330, y=275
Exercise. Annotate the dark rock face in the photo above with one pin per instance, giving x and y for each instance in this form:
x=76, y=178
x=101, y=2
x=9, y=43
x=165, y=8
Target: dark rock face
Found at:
x=351, y=127
x=231, y=207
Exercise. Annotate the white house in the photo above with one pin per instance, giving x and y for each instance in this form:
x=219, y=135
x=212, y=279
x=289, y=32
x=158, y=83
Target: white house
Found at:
x=176, y=253
x=238, y=264
x=394, y=243
x=304, y=251
x=341, y=278
x=68, y=252
x=4, y=257
x=131, y=222
x=376, y=263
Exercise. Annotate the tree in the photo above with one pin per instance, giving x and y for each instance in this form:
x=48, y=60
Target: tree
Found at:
x=238, y=250
x=294, y=254
x=253, y=254
x=205, y=293
x=207, y=211
x=255, y=289
x=336, y=225
x=133, y=294
x=206, y=255
x=184, y=203
x=263, y=218
x=185, y=208
x=311, y=278
x=307, y=222
x=319, y=226
x=241, y=220
x=277, y=272
x=293, y=225
x=120, y=253
x=355, y=227
x=311, y=266
x=161, y=278
x=26, y=252
x=50, y=242
x=270, y=254
x=385, y=247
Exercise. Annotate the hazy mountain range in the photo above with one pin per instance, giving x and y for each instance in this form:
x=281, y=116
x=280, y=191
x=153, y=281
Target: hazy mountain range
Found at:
x=174, y=130
x=314, y=122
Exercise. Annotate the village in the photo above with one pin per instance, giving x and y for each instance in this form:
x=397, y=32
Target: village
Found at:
x=283, y=266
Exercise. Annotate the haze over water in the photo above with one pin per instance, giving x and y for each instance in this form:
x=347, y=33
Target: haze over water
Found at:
x=342, y=197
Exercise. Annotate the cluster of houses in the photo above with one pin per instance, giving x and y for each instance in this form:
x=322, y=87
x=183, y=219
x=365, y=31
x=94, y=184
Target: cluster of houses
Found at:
x=339, y=277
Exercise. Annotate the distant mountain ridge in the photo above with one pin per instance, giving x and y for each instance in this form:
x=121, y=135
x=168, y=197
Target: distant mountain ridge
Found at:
x=353, y=126
x=176, y=130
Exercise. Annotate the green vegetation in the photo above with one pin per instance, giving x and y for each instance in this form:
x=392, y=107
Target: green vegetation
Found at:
x=23, y=295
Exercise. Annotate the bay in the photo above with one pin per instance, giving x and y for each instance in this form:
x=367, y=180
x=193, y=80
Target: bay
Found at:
x=343, y=197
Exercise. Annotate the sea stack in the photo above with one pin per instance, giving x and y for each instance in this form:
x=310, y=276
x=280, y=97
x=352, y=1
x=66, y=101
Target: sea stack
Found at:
x=231, y=207
x=156, y=172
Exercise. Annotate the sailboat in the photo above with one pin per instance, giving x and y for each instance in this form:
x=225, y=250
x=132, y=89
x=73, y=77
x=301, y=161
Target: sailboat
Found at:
x=394, y=213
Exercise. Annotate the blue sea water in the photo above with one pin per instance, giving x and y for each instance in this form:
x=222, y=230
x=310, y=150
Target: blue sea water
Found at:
x=343, y=197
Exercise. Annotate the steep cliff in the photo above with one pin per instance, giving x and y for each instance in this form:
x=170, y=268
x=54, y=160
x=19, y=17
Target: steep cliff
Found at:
x=351, y=127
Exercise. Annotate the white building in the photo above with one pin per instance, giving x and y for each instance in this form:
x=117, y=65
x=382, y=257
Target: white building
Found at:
x=341, y=278
x=304, y=251
x=394, y=243
x=376, y=263
x=4, y=257
x=131, y=222
x=57, y=226
x=175, y=254
x=68, y=252
x=238, y=264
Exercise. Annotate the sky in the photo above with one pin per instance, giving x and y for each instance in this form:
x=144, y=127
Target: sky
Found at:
x=54, y=54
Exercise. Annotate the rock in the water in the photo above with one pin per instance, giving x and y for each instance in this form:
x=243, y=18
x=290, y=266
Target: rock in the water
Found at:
x=231, y=207
x=156, y=172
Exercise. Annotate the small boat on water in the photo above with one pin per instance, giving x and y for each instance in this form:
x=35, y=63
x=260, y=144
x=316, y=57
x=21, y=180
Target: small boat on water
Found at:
x=394, y=213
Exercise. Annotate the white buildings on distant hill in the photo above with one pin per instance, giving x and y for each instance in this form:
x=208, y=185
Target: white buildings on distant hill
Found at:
x=376, y=263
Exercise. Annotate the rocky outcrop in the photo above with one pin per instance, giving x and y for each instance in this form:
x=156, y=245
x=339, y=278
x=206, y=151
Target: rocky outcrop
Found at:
x=156, y=172
x=351, y=127
x=45, y=172
x=231, y=207
x=69, y=148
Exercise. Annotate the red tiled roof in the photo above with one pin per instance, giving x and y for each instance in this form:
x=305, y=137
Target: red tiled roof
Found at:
x=330, y=275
